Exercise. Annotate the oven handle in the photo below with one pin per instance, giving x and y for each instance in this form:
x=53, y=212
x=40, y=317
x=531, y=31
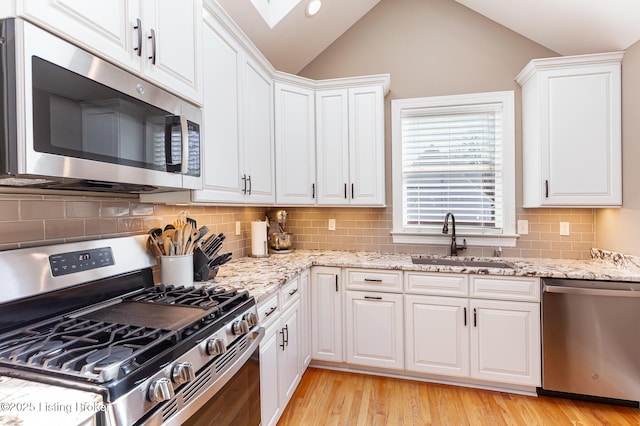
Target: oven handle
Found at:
x=589, y=291
x=195, y=404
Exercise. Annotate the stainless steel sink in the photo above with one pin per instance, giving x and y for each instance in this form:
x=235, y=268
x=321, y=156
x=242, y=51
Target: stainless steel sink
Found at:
x=461, y=262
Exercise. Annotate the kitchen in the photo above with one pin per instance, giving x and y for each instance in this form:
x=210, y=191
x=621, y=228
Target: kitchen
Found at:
x=467, y=63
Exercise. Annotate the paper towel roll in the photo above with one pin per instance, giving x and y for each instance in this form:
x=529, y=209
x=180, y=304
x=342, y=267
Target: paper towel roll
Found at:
x=259, y=239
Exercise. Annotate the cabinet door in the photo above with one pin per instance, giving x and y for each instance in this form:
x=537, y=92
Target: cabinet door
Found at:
x=221, y=149
x=269, y=404
x=295, y=145
x=332, y=139
x=257, y=135
x=326, y=314
x=374, y=327
x=437, y=330
x=289, y=353
x=175, y=61
x=305, y=320
x=366, y=146
x=106, y=27
x=581, y=120
x=505, y=341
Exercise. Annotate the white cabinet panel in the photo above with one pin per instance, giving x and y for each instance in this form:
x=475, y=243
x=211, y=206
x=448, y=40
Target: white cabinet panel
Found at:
x=305, y=320
x=571, y=108
x=326, y=314
x=505, y=342
x=374, y=327
x=295, y=145
x=437, y=331
x=350, y=146
x=158, y=39
x=269, y=396
x=289, y=352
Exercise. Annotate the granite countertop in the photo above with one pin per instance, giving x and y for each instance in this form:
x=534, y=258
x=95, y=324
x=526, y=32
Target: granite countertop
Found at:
x=25, y=403
x=264, y=276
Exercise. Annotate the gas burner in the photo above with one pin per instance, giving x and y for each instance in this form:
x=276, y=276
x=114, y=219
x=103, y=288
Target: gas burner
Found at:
x=111, y=355
x=49, y=348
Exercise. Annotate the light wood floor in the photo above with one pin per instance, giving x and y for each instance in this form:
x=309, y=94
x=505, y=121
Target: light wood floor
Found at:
x=326, y=397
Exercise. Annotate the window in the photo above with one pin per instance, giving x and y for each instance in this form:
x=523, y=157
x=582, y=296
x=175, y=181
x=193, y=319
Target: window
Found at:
x=454, y=154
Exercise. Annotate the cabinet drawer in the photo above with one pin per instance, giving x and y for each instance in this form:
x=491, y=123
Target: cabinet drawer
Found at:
x=436, y=284
x=507, y=288
x=268, y=310
x=290, y=292
x=376, y=280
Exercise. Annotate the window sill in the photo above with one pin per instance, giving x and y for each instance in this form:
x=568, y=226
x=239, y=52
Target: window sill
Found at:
x=441, y=239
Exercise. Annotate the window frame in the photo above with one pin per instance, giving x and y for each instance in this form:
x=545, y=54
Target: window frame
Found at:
x=474, y=236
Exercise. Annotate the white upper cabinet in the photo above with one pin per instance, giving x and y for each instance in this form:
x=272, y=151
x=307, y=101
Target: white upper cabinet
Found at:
x=159, y=39
x=350, y=146
x=571, y=121
x=237, y=124
x=295, y=145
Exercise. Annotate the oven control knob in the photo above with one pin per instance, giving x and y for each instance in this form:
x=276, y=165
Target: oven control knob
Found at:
x=216, y=347
x=161, y=390
x=183, y=373
x=251, y=318
x=240, y=327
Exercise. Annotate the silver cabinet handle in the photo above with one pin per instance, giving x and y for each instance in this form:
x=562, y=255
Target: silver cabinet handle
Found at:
x=138, y=27
x=152, y=37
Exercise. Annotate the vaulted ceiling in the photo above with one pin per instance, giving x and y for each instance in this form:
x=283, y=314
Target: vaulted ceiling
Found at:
x=568, y=27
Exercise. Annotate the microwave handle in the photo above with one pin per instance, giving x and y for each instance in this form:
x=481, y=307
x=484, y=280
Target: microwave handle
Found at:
x=184, y=127
x=170, y=123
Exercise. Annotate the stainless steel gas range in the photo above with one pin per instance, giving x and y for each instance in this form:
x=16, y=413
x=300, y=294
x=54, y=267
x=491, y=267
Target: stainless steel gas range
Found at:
x=88, y=316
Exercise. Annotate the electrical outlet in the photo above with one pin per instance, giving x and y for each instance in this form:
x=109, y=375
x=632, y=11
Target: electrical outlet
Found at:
x=523, y=227
x=564, y=228
x=238, y=229
x=332, y=224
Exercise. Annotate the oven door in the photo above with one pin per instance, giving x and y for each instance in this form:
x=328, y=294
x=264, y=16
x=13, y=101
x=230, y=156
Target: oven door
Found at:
x=80, y=117
x=227, y=392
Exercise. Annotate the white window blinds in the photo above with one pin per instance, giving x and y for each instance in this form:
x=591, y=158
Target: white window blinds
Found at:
x=452, y=162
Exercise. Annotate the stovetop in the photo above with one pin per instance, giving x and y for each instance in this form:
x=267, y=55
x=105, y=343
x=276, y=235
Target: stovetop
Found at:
x=109, y=342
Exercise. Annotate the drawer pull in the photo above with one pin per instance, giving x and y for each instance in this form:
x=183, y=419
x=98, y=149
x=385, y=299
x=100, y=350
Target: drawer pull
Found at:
x=373, y=280
x=292, y=292
x=272, y=310
x=373, y=297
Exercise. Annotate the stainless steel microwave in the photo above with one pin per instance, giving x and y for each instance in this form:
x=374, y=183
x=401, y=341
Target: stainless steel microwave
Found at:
x=71, y=120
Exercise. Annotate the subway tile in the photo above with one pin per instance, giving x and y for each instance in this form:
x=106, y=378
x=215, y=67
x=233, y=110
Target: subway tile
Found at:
x=79, y=209
x=100, y=226
x=138, y=209
x=63, y=228
x=19, y=232
x=114, y=209
x=35, y=209
x=9, y=210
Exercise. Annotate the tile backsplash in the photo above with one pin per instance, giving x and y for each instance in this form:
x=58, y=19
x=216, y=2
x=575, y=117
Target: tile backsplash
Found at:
x=28, y=220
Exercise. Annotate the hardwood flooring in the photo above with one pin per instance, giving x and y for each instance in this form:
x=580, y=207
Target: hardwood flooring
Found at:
x=326, y=397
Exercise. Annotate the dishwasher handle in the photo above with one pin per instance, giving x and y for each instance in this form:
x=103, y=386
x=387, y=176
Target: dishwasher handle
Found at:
x=589, y=291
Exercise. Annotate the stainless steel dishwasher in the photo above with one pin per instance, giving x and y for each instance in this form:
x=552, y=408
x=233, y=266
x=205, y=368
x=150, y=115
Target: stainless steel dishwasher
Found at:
x=591, y=339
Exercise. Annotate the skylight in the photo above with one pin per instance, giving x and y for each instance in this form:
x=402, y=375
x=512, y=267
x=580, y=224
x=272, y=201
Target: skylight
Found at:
x=273, y=11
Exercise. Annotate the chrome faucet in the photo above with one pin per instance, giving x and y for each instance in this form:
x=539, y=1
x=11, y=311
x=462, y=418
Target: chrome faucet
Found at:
x=445, y=230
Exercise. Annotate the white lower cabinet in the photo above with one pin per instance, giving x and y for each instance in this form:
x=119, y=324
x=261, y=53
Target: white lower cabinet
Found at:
x=374, y=329
x=281, y=349
x=305, y=319
x=326, y=314
x=269, y=398
x=492, y=340
x=505, y=341
x=289, y=373
x=437, y=330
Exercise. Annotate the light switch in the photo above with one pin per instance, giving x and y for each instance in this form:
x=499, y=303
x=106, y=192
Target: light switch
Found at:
x=523, y=227
x=332, y=224
x=564, y=228
x=238, y=229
